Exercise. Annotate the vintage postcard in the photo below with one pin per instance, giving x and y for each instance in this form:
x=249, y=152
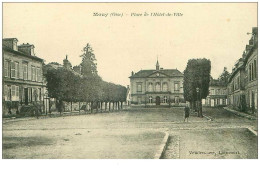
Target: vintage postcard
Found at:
x=130, y=81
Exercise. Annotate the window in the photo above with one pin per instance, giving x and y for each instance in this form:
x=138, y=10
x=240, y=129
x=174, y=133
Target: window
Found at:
x=249, y=72
x=150, y=87
x=13, y=70
x=40, y=94
x=25, y=71
x=176, y=87
x=165, y=100
x=35, y=95
x=165, y=87
x=212, y=91
x=38, y=74
x=255, y=65
x=6, y=68
x=7, y=93
x=150, y=99
x=158, y=87
x=13, y=91
x=33, y=73
x=17, y=92
x=30, y=94
x=139, y=87
x=218, y=92
x=16, y=70
x=176, y=99
x=238, y=82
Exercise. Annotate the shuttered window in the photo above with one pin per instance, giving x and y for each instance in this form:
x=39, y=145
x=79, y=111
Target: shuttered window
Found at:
x=13, y=74
x=25, y=71
x=6, y=68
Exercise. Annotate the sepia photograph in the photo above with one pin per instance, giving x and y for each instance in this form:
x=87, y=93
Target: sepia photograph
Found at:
x=129, y=80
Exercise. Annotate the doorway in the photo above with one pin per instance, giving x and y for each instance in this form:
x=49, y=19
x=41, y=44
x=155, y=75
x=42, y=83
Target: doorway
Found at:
x=157, y=100
x=26, y=96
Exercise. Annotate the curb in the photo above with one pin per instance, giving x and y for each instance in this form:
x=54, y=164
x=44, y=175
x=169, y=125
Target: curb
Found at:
x=208, y=117
x=163, y=146
x=253, y=131
x=240, y=114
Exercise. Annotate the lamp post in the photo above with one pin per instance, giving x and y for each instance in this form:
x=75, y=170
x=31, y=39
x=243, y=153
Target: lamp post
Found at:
x=46, y=98
x=198, y=90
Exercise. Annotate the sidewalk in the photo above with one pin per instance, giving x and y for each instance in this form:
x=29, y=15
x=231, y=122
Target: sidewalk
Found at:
x=242, y=114
x=57, y=114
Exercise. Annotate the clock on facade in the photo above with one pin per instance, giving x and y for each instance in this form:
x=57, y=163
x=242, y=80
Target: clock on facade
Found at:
x=158, y=74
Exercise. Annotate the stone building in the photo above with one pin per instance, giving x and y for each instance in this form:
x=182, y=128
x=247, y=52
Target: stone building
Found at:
x=157, y=87
x=242, y=85
x=251, y=70
x=217, y=94
x=23, y=82
x=236, y=85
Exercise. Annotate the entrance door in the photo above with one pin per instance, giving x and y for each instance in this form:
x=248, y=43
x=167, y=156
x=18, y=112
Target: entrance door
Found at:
x=26, y=96
x=157, y=100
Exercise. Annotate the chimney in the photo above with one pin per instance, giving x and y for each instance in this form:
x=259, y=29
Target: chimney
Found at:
x=127, y=86
x=10, y=43
x=161, y=68
x=132, y=73
x=27, y=49
x=255, y=34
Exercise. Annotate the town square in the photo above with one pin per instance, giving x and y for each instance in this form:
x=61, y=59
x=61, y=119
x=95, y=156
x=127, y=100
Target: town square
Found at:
x=90, y=85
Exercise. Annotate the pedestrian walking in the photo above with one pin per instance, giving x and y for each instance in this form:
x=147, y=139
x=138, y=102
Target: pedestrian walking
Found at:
x=186, y=112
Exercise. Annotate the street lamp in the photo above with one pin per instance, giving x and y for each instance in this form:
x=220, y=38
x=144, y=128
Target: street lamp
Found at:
x=198, y=90
x=46, y=98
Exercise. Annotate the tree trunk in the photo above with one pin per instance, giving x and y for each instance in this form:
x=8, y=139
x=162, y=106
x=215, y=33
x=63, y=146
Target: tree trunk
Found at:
x=105, y=106
x=97, y=107
x=79, y=107
x=109, y=104
x=200, y=108
x=71, y=106
x=121, y=105
x=113, y=106
x=86, y=107
x=91, y=107
x=101, y=106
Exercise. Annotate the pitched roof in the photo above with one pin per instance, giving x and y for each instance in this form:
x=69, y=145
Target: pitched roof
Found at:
x=146, y=73
x=21, y=53
x=216, y=82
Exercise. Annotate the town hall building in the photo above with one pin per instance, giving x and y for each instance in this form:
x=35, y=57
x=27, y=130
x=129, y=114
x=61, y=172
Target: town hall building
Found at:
x=157, y=87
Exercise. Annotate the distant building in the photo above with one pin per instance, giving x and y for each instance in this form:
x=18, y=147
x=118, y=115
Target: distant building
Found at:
x=157, y=87
x=217, y=94
x=23, y=82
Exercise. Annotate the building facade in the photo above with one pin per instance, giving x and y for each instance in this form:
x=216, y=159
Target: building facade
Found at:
x=23, y=82
x=243, y=83
x=157, y=87
x=251, y=71
x=217, y=94
x=236, y=86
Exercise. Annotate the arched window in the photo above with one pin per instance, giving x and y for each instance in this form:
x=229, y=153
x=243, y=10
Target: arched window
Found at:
x=150, y=87
x=150, y=99
x=165, y=100
x=165, y=87
x=158, y=87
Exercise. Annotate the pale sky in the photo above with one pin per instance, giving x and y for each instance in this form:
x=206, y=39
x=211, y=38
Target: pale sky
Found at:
x=216, y=31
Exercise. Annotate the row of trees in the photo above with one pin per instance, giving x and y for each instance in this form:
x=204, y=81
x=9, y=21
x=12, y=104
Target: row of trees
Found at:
x=82, y=84
x=196, y=83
